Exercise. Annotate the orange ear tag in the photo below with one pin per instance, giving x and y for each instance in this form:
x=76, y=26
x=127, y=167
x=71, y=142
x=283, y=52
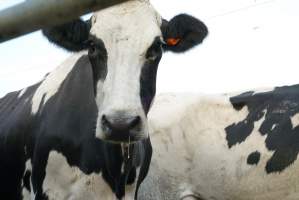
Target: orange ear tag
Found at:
x=173, y=41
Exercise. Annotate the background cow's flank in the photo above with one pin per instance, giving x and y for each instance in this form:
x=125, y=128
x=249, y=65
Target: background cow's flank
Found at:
x=82, y=132
x=279, y=109
x=236, y=147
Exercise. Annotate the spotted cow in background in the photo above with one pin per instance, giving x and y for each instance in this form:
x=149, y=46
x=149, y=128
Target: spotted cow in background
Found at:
x=82, y=133
x=229, y=147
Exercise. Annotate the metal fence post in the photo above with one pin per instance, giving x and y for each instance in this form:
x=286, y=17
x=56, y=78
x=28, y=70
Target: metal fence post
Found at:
x=33, y=15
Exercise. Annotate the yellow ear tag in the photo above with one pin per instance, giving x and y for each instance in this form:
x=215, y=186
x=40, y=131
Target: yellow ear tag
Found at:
x=173, y=41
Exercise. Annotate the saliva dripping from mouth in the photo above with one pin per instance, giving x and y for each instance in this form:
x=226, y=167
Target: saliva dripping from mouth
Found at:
x=127, y=149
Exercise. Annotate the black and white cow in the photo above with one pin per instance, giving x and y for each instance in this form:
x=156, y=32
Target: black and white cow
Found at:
x=225, y=147
x=82, y=133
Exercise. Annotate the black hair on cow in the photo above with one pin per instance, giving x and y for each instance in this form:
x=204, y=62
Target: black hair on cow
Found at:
x=71, y=36
x=182, y=33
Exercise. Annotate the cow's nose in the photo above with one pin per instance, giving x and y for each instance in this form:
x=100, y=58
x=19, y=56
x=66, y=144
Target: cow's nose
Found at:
x=121, y=124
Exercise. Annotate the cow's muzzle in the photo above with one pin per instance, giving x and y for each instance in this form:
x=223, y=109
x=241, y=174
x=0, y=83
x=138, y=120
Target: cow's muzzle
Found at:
x=121, y=128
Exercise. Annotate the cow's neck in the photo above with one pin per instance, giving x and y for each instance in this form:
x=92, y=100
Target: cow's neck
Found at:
x=121, y=163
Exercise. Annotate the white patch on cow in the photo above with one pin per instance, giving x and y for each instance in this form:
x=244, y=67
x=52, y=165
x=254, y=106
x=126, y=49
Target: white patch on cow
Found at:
x=22, y=92
x=131, y=189
x=188, y=134
x=273, y=127
x=263, y=90
x=65, y=182
x=127, y=30
x=130, y=192
x=295, y=120
x=52, y=82
x=255, y=91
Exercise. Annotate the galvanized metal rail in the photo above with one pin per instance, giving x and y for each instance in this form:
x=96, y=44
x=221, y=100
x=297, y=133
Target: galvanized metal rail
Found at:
x=33, y=15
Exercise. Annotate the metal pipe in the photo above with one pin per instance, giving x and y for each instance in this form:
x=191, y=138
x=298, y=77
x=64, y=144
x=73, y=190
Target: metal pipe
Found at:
x=33, y=15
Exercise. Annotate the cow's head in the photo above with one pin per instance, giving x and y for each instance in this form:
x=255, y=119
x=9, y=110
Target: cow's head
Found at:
x=125, y=44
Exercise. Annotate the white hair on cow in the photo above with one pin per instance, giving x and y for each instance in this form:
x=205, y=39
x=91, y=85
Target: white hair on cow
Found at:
x=295, y=120
x=22, y=92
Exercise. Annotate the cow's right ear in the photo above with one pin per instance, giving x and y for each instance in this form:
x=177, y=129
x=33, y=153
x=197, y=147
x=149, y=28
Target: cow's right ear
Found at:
x=72, y=36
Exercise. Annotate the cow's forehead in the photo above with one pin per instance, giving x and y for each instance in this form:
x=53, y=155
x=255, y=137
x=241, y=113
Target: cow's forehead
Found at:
x=135, y=21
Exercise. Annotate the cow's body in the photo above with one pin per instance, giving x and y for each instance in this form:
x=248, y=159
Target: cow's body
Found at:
x=229, y=147
x=55, y=144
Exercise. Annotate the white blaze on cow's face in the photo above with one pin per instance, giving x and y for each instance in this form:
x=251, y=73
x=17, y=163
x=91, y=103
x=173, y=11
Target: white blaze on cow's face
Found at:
x=126, y=33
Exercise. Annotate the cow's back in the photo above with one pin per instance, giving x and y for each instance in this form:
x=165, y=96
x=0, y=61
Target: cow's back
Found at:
x=13, y=105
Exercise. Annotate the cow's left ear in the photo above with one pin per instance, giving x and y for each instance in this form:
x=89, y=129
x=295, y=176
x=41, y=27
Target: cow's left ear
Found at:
x=182, y=33
x=72, y=36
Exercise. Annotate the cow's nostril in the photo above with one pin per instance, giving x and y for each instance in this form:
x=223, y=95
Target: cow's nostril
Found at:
x=120, y=123
x=105, y=122
x=135, y=121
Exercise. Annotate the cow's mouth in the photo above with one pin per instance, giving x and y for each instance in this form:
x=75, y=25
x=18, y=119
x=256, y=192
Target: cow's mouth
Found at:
x=123, y=138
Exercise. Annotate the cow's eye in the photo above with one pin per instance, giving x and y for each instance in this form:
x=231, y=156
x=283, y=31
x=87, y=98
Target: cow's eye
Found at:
x=155, y=51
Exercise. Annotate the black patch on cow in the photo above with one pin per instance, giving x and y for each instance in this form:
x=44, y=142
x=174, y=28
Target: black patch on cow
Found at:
x=254, y=158
x=71, y=36
x=238, y=105
x=278, y=107
x=188, y=29
x=149, y=74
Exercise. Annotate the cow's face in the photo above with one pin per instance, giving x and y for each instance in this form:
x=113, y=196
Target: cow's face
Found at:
x=125, y=44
